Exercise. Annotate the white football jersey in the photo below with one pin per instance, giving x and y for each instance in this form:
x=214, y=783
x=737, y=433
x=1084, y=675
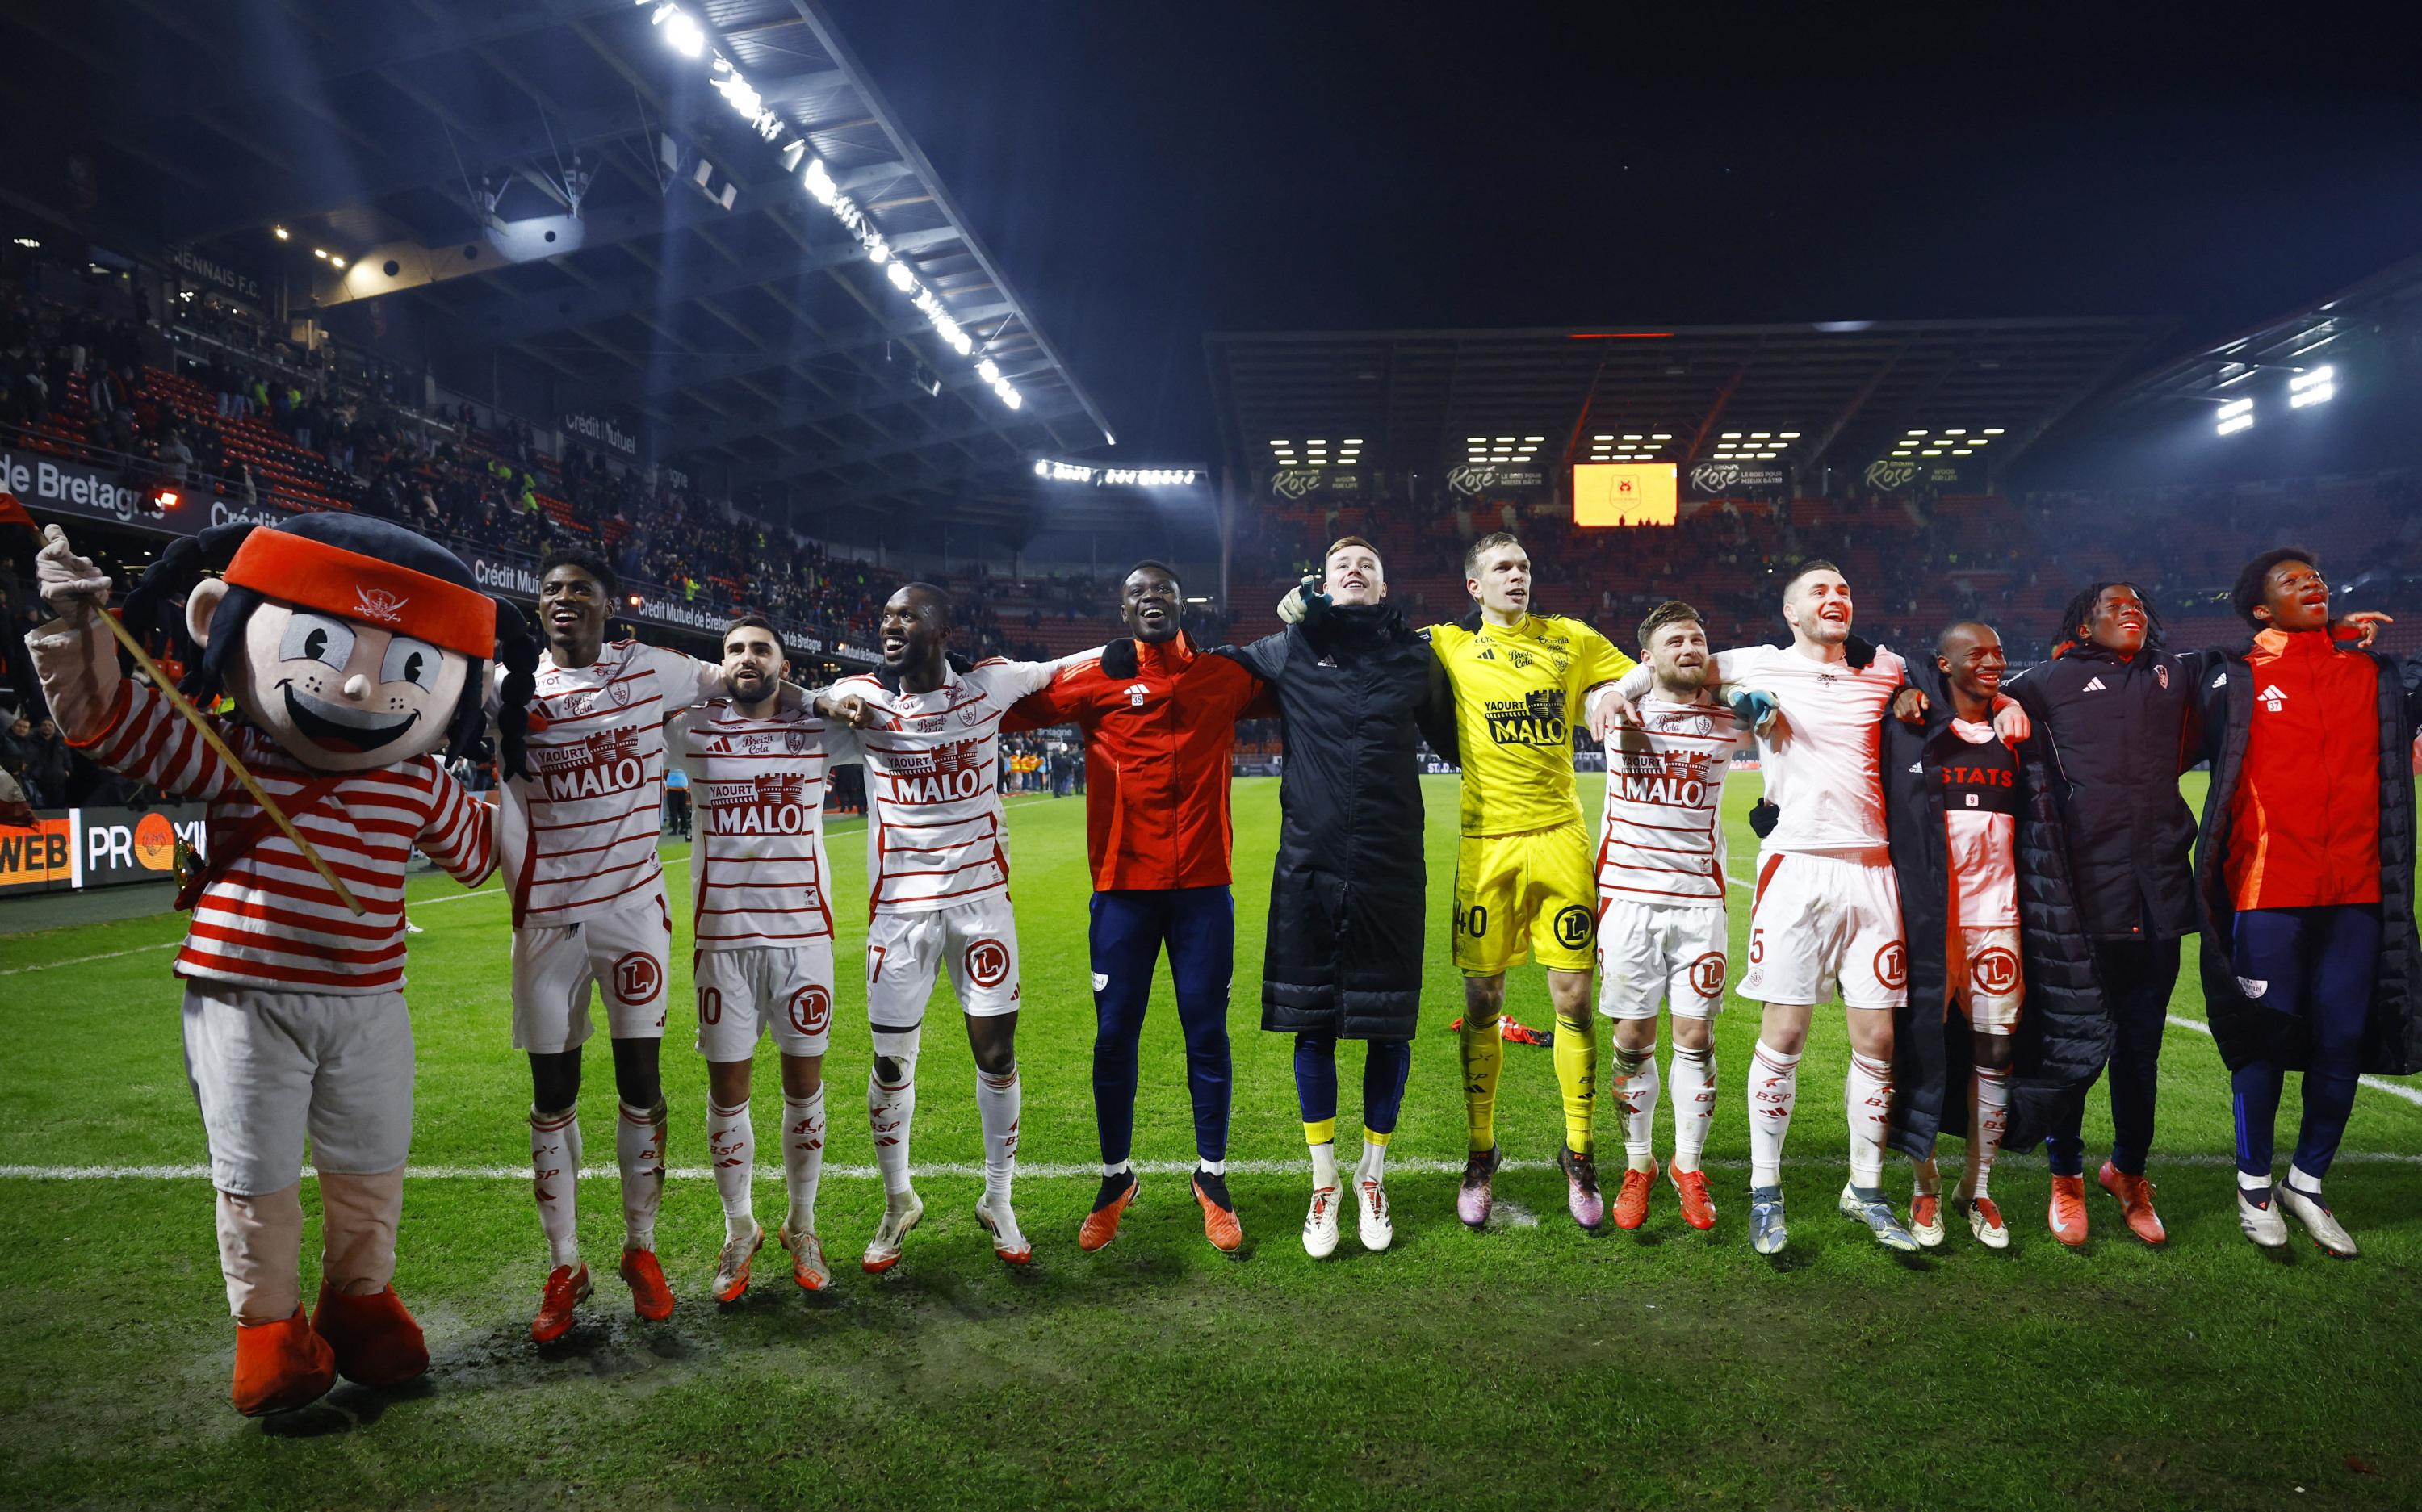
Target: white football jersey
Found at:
x=758, y=874
x=1663, y=838
x=932, y=785
x=1820, y=766
x=580, y=832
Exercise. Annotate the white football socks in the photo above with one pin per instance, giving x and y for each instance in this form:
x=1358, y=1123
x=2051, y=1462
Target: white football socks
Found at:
x=555, y=1180
x=639, y=1150
x=731, y=1144
x=1635, y=1087
x=1324, y=1165
x=1372, y=1164
x=891, y=1109
x=1774, y=1086
x=1988, y=1115
x=998, y=1101
x=1692, y=1079
x=803, y=1157
x=1866, y=1101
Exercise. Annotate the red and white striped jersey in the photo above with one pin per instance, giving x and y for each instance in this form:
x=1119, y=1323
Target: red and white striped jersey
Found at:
x=580, y=831
x=932, y=785
x=758, y=875
x=268, y=920
x=1663, y=839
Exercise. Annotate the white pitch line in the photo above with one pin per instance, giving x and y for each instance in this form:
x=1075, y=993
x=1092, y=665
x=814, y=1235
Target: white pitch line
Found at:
x=773, y=1174
x=86, y=960
x=2393, y=1089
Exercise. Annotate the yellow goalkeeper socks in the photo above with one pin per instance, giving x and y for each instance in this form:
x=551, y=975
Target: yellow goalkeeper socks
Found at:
x=1484, y=1056
x=1577, y=1074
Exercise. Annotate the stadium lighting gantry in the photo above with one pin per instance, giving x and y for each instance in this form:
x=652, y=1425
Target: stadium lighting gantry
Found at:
x=2317, y=386
x=686, y=35
x=2235, y=416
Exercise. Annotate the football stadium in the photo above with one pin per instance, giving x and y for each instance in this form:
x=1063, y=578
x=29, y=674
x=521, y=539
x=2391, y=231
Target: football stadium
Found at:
x=1338, y=625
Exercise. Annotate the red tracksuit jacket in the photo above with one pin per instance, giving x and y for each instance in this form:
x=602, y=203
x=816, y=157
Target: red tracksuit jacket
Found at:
x=1156, y=750
x=2305, y=816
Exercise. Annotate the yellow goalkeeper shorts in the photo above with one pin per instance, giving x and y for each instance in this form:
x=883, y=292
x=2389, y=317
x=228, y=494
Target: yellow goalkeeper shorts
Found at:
x=1523, y=894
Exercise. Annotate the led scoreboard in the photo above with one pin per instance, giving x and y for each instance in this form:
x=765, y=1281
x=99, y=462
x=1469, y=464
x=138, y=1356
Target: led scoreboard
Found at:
x=1625, y=492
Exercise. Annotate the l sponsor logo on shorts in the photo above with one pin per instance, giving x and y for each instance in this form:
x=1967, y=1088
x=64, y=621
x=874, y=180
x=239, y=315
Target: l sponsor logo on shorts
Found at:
x=987, y=963
x=1707, y=975
x=1574, y=926
x=810, y=1010
x=1891, y=965
x=637, y=978
x=1994, y=970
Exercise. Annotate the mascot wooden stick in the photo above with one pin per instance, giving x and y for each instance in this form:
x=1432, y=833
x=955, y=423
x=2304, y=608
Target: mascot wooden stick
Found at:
x=355, y=652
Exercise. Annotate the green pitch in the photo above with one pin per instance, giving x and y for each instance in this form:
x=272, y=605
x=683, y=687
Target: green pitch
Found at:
x=1530, y=1366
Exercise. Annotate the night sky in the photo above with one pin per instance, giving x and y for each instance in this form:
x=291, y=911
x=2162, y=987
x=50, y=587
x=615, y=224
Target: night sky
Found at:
x=1148, y=172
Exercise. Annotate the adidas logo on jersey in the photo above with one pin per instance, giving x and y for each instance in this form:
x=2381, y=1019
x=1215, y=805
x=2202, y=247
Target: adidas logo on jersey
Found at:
x=2273, y=700
x=2094, y=684
x=1136, y=692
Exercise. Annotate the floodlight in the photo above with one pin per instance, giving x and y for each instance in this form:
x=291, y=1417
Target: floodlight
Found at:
x=280, y=233
x=683, y=34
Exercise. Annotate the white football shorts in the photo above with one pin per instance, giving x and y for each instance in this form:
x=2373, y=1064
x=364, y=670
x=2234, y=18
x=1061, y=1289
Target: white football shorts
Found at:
x=1823, y=921
x=622, y=955
x=743, y=994
x=1652, y=954
x=978, y=939
x=1988, y=976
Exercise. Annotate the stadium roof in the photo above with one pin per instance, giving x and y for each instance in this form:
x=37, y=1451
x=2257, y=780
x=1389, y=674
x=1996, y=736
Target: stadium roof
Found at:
x=696, y=286
x=2296, y=342
x=1837, y=393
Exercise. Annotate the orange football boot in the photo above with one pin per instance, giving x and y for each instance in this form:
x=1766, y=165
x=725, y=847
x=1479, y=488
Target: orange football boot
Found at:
x=2067, y=1214
x=1631, y=1198
x=1698, y=1210
x=566, y=1289
x=2135, y=1196
x=1102, y=1224
x=1220, y=1225
x=651, y=1297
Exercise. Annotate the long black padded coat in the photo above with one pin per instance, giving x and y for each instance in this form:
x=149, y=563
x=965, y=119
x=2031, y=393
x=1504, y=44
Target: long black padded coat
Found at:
x=2244, y=1030
x=1358, y=690
x=2064, y=1033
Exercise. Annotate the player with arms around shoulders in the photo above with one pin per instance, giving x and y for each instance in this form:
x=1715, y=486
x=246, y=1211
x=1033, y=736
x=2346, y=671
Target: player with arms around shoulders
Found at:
x=1826, y=910
x=761, y=908
x=938, y=876
x=2305, y=870
x=1522, y=881
x=1661, y=931
x=1160, y=720
x=1981, y=859
x=578, y=835
x=1359, y=690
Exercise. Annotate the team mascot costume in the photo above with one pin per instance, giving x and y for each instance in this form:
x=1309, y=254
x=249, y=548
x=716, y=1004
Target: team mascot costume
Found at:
x=355, y=655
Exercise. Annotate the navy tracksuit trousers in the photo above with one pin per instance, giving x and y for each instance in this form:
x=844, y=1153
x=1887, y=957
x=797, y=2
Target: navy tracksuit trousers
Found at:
x=2318, y=963
x=1130, y=928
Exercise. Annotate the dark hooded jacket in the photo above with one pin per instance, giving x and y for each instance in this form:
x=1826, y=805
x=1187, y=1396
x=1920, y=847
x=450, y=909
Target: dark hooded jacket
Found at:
x=2064, y=1033
x=2392, y=1041
x=2125, y=728
x=1358, y=690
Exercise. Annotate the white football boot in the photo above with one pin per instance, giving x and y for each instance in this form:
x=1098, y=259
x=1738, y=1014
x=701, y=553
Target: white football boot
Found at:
x=1320, y=1223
